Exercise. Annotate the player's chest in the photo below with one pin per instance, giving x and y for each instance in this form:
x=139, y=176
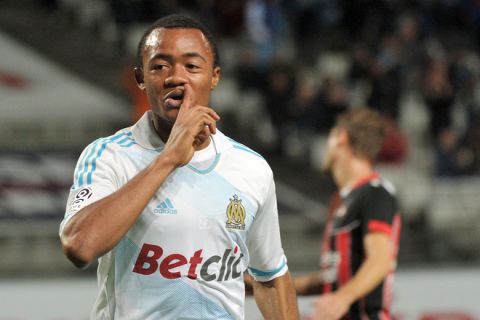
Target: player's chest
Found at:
x=347, y=216
x=191, y=202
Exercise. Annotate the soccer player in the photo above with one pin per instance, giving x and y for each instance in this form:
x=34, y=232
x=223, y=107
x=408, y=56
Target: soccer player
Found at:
x=173, y=209
x=361, y=236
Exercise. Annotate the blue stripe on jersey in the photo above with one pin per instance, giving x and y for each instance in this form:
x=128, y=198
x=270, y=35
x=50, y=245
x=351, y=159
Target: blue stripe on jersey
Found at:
x=169, y=203
x=87, y=161
x=99, y=154
x=207, y=170
x=80, y=168
x=131, y=143
x=261, y=273
x=89, y=156
x=238, y=145
x=126, y=139
x=241, y=147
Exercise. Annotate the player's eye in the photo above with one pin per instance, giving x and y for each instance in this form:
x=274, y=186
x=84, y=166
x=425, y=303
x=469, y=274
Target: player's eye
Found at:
x=159, y=66
x=192, y=66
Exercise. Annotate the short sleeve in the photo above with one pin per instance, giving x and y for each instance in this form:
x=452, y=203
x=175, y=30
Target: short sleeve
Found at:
x=94, y=178
x=267, y=259
x=378, y=211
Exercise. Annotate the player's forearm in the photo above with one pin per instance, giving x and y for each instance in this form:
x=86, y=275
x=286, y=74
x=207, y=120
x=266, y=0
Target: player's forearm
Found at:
x=97, y=228
x=308, y=284
x=369, y=276
x=276, y=299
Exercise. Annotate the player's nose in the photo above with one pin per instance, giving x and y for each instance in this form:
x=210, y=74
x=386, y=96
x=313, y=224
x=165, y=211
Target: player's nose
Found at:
x=176, y=77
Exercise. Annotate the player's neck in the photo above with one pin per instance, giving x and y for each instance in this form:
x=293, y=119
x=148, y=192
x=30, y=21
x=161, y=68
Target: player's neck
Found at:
x=162, y=128
x=350, y=172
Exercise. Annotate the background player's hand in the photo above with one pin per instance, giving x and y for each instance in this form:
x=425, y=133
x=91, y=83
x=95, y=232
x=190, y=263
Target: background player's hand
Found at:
x=193, y=126
x=331, y=306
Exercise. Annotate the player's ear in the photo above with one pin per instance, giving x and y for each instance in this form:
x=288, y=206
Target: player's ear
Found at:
x=215, y=77
x=139, y=77
x=342, y=136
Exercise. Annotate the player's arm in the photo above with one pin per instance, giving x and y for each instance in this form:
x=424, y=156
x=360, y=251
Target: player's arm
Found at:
x=98, y=227
x=276, y=298
x=376, y=266
x=308, y=284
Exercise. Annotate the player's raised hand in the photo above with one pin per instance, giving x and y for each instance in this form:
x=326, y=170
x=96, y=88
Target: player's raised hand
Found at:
x=193, y=126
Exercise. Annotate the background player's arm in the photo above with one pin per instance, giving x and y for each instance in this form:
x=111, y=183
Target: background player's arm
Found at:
x=98, y=227
x=374, y=269
x=276, y=298
x=308, y=284
x=377, y=265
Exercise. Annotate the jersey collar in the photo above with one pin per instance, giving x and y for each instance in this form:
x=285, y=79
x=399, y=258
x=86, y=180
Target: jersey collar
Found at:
x=145, y=135
x=346, y=190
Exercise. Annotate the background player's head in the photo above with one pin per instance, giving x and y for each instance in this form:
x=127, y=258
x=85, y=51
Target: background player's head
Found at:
x=176, y=50
x=359, y=132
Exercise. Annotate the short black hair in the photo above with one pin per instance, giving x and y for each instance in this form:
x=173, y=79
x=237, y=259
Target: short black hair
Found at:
x=178, y=21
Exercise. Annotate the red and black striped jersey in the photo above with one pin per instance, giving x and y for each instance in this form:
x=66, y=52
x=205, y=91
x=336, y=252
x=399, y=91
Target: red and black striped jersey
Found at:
x=370, y=206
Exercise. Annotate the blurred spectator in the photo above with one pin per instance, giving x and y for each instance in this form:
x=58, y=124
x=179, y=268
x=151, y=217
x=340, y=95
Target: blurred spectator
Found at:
x=304, y=109
x=452, y=157
x=230, y=16
x=439, y=96
x=466, y=72
x=311, y=21
x=265, y=27
x=368, y=20
x=385, y=78
x=333, y=101
x=248, y=76
x=412, y=50
x=472, y=141
x=362, y=60
x=395, y=146
x=279, y=93
x=425, y=47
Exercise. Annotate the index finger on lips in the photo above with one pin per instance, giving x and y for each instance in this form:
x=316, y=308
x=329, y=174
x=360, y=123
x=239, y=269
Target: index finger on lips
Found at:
x=188, y=97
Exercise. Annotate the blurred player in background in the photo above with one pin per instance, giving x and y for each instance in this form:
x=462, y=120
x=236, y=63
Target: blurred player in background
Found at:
x=362, y=232
x=174, y=210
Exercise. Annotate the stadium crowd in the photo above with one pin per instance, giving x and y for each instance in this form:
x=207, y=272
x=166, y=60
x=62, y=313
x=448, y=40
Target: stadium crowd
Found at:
x=310, y=60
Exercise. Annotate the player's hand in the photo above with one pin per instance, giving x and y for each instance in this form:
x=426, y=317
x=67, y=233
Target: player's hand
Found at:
x=331, y=306
x=193, y=126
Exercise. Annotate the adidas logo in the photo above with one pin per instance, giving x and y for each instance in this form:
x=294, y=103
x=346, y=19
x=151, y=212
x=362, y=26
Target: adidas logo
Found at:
x=165, y=207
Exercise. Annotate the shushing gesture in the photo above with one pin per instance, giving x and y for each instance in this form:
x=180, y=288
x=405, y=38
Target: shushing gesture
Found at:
x=192, y=129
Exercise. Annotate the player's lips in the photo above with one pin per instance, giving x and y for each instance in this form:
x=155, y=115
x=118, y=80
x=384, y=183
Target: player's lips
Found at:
x=174, y=98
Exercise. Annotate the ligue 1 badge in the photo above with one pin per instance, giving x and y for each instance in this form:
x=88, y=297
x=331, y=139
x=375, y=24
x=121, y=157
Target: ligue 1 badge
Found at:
x=81, y=196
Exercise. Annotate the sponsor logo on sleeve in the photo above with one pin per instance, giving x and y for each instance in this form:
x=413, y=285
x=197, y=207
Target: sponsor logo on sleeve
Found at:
x=78, y=201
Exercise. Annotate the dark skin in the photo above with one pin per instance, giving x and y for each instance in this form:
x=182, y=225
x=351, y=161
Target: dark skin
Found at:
x=171, y=65
x=178, y=75
x=180, y=120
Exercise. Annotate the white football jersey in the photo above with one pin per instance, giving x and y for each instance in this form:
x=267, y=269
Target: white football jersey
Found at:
x=185, y=256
